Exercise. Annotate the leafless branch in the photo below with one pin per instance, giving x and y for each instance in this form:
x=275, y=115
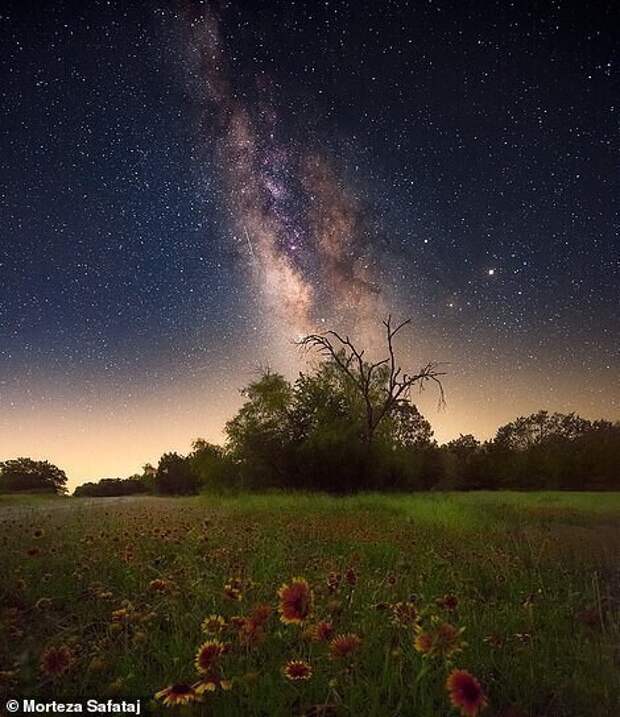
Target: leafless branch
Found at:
x=350, y=360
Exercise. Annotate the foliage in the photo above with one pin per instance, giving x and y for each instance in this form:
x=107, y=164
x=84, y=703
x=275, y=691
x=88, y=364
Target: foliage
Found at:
x=212, y=466
x=311, y=435
x=553, y=451
x=25, y=474
x=175, y=476
x=113, y=487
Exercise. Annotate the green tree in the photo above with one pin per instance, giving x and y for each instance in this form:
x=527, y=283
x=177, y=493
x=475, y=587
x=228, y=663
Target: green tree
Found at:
x=313, y=434
x=213, y=465
x=259, y=436
x=25, y=474
x=175, y=475
x=382, y=386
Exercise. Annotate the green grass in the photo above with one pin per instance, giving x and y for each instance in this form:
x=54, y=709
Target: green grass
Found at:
x=535, y=575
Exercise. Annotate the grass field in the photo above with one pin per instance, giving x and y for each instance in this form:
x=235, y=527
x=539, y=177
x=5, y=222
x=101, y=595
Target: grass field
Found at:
x=107, y=597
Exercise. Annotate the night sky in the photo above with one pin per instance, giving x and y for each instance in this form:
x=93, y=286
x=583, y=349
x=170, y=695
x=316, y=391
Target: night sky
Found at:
x=185, y=188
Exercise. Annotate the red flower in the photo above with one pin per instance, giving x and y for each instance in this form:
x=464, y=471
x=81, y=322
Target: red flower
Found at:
x=447, y=602
x=295, y=601
x=343, y=646
x=208, y=654
x=324, y=631
x=351, y=577
x=297, y=670
x=466, y=693
x=55, y=661
x=177, y=694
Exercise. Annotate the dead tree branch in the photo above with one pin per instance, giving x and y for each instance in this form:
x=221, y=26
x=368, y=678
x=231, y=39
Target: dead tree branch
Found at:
x=350, y=360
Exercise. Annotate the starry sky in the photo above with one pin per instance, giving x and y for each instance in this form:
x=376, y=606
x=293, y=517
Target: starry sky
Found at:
x=187, y=187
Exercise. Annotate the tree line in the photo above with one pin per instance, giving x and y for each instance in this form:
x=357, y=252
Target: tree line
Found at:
x=350, y=424
x=267, y=447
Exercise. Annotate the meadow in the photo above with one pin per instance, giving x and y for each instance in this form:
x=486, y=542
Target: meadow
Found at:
x=304, y=604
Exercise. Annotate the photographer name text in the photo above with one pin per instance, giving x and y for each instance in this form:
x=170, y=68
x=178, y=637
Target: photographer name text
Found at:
x=92, y=706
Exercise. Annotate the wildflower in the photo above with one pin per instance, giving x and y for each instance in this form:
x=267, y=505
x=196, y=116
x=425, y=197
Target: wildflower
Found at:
x=404, y=613
x=213, y=624
x=443, y=640
x=523, y=637
x=232, y=589
x=465, y=693
x=55, y=661
x=210, y=682
x=38, y=533
x=295, y=601
x=121, y=616
x=333, y=582
x=297, y=670
x=261, y=613
x=159, y=586
x=177, y=694
x=43, y=604
x=424, y=643
x=351, y=577
x=447, y=602
x=237, y=621
x=323, y=631
x=208, y=654
x=343, y=646
x=251, y=629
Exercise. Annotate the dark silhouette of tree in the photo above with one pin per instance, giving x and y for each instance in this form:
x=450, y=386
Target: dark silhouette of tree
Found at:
x=381, y=385
x=541, y=428
x=107, y=487
x=348, y=425
x=259, y=436
x=555, y=451
x=25, y=474
x=464, y=464
x=175, y=475
x=464, y=445
x=409, y=428
x=213, y=465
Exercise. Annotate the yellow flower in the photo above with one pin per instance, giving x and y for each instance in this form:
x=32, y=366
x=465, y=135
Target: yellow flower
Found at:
x=208, y=655
x=442, y=640
x=177, y=694
x=213, y=624
x=297, y=670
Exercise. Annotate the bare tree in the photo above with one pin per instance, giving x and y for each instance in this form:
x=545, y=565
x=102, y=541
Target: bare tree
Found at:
x=398, y=385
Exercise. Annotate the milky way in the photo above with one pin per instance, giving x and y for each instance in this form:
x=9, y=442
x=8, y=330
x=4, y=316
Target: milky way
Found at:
x=302, y=231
